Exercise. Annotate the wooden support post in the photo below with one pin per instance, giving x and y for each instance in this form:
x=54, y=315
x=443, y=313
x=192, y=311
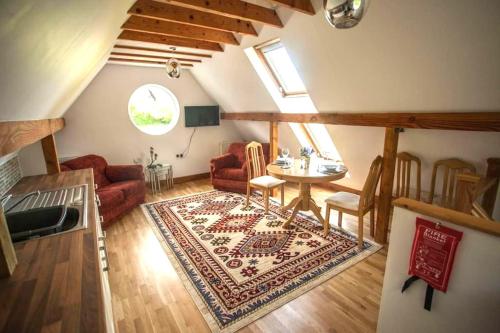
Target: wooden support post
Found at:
x=386, y=184
x=50, y=154
x=490, y=196
x=8, y=259
x=273, y=146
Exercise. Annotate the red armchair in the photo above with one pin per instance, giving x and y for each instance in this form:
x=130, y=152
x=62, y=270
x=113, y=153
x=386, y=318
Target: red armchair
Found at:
x=119, y=187
x=229, y=171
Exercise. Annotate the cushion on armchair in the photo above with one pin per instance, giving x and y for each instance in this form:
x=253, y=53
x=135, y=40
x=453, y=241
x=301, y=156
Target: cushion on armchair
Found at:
x=229, y=171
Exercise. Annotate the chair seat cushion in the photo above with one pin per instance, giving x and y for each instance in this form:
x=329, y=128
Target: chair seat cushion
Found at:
x=232, y=173
x=345, y=200
x=266, y=181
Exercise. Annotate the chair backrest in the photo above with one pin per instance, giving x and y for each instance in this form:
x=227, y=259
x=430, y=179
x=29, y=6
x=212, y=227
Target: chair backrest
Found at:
x=403, y=175
x=367, y=198
x=256, y=164
x=238, y=149
x=451, y=168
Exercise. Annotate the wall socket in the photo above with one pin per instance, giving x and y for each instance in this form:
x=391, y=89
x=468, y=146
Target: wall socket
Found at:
x=179, y=155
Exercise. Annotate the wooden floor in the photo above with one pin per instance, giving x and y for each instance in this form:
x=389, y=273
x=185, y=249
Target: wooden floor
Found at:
x=148, y=296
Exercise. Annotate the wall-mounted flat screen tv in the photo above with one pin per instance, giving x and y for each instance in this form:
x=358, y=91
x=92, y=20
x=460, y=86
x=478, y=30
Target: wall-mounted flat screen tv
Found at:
x=196, y=116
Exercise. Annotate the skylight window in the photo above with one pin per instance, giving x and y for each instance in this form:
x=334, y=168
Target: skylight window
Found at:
x=275, y=68
x=282, y=69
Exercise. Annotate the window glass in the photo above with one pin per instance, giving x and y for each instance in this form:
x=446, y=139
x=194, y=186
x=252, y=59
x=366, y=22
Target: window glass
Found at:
x=283, y=69
x=153, y=109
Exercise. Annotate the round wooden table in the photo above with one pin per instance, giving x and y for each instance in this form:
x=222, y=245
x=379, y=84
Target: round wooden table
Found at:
x=305, y=178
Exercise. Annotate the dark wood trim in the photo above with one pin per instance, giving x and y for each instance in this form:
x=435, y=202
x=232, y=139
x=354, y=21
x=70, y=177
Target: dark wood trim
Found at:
x=465, y=121
x=490, y=196
x=236, y=9
x=169, y=28
x=15, y=135
x=122, y=54
x=151, y=49
x=303, y=6
x=386, y=184
x=169, y=40
x=163, y=11
x=185, y=179
x=50, y=154
x=152, y=62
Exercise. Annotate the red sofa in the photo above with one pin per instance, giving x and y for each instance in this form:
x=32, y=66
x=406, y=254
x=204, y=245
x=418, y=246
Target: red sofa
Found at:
x=229, y=171
x=119, y=187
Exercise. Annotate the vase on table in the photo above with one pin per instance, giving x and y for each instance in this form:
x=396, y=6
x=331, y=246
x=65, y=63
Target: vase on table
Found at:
x=305, y=162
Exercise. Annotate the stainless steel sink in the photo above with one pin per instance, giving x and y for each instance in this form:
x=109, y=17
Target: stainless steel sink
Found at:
x=28, y=215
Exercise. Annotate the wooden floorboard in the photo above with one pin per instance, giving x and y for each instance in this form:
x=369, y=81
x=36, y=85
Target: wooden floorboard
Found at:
x=148, y=296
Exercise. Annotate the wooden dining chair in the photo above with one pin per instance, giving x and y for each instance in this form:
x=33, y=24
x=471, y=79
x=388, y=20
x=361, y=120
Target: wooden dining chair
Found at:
x=403, y=175
x=257, y=178
x=357, y=205
x=451, y=168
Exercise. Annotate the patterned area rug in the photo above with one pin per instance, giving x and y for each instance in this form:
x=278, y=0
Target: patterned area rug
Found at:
x=239, y=264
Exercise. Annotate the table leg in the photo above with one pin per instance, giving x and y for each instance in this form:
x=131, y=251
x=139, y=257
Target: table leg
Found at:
x=294, y=213
x=304, y=202
x=292, y=204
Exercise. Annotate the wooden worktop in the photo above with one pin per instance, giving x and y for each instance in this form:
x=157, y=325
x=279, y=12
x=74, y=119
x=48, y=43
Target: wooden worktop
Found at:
x=56, y=285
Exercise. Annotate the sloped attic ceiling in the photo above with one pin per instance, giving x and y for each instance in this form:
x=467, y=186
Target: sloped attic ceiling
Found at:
x=404, y=55
x=51, y=50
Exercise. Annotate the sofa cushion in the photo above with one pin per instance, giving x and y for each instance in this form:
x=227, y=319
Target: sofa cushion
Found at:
x=128, y=187
x=232, y=173
x=110, y=198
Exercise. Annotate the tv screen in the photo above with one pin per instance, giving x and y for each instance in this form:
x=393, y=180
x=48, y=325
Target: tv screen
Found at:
x=196, y=116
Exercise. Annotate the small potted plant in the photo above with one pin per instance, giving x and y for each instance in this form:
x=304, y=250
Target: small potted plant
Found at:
x=153, y=158
x=305, y=157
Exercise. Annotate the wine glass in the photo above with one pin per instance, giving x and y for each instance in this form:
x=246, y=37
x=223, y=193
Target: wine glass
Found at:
x=285, y=152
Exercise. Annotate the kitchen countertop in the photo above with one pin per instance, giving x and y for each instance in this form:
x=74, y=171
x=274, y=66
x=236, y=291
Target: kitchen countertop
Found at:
x=56, y=285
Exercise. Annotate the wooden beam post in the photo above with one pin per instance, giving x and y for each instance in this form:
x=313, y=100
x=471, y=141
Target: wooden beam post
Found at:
x=386, y=184
x=50, y=154
x=273, y=145
x=8, y=259
x=490, y=196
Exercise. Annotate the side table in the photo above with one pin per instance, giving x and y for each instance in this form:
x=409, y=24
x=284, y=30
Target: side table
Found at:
x=156, y=175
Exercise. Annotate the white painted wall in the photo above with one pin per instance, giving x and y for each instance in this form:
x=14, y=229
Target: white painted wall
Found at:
x=51, y=50
x=404, y=56
x=472, y=302
x=98, y=123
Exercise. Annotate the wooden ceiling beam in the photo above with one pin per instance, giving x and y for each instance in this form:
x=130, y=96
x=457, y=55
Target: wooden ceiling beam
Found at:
x=464, y=121
x=152, y=62
x=169, y=40
x=234, y=8
x=122, y=54
x=151, y=49
x=169, y=28
x=303, y=6
x=167, y=12
x=15, y=135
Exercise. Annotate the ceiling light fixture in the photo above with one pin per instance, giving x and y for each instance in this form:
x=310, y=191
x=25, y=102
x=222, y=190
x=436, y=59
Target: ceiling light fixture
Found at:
x=344, y=14
x=173, y=67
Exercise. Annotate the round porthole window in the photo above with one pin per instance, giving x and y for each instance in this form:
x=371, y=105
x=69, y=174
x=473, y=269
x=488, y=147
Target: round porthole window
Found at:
x=153, y=109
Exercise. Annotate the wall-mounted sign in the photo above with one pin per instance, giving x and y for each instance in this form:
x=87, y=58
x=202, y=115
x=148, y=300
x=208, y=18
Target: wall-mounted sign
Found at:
x=432, y=256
